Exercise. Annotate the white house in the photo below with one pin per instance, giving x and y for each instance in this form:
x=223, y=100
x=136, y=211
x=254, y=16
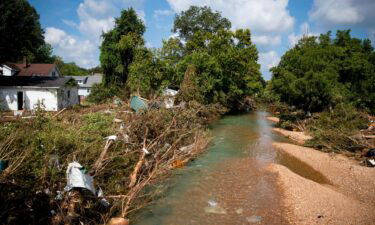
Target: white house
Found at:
x=27, y=93
x=85, y=84
x=25, y=69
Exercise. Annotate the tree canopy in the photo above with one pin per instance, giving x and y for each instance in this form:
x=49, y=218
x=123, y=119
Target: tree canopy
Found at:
x=197, y=19
x=320, y=72
x=118, y=47
x=21, y=33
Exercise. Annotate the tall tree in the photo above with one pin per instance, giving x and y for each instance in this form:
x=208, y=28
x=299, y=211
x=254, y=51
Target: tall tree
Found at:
x=199, y=19
x=21, y=33
x=118, y=48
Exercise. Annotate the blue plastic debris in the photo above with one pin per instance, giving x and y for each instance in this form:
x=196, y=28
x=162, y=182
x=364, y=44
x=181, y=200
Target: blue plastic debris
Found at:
x=3, y=165
x=137, y=103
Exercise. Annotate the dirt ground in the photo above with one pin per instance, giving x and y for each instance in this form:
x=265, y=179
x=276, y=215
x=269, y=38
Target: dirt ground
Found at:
x=349, y=198
x=298, y=137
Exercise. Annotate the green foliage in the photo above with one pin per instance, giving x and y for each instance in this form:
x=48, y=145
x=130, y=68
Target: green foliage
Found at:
x=69, y=69
x=99, y=93
x=321, y=72
x=197, y=19
x=97, y=124
x=21, y=33
x=118, y=48
x=335, y=130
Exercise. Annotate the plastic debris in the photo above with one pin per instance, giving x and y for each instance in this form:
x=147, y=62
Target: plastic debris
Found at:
x=187, y=148
x=111, y=138
x=137, y=103
x=117, y=120
x=3, y=165
x=169, y=92
x=370, y=153
x=102, y=200
x=214, y=208
x=77, y=177
x=117, y=101
x=371, y=162
x=145, y=151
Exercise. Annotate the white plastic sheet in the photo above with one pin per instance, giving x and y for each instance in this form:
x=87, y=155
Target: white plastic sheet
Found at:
x=77, y=177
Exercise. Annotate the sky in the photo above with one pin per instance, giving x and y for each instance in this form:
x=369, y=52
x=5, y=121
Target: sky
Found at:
x=74, y=27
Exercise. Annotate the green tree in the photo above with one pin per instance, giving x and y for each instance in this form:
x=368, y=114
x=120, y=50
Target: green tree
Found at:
x=69, y=69
x=321, y=72
x=21, y=33
x=201, y=19
x=118, y=48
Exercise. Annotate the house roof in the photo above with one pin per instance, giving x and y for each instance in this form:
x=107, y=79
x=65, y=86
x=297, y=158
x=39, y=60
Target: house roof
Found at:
x=31, y=69
x=89, y=80
x=35, y=82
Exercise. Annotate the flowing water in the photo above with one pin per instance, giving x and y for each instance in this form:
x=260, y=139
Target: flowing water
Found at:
x=229, y=184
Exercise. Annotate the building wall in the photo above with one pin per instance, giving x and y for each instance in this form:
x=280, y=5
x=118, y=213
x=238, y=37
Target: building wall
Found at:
x=51, y=99
x=46, y=98
x=7, y=71
x=54, y=73
x=67, y=96
x=83, y=91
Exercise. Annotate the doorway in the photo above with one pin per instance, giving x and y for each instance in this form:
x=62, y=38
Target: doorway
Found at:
x=20, y=100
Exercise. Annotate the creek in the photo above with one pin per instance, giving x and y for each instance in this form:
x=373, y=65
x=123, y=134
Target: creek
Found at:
x=229, y=184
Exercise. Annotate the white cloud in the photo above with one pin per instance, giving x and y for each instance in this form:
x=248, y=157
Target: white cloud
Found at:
x=259, y=16
x=95, y=17
x=160, y=13
x=293, y=38
x=267, y=40
x=267, y=61
x=341, y=11
x=70, y=48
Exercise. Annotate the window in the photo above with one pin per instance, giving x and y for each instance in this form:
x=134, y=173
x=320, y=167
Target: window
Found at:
x=53, y=73
x=68, y=94
x=88, y=90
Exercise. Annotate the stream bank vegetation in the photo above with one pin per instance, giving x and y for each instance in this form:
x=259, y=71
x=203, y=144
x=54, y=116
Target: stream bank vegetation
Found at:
x=128, y=154
x=326, y=87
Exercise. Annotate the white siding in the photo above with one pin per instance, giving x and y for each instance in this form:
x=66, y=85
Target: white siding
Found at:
x=54, y=73
x=7, y=71
x=83, y=91
x=31, y=97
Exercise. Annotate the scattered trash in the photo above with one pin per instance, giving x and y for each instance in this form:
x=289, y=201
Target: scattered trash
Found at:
x=102, y=200
x=145, y=151
x=3, y=165
x=77, y=177
x=111, y=138
x=254, y=219
x=320, y=216
x=126, y=138
x=370, y=153
x=370, y=162
x=117, y=120
x=214, y=208
x=58, y=195
x=117, y=101
x=239, y=211
x=107, y=112
x=187, y=148
x=137, y=103
x=169, y=92
x=169, y=99
x=17, y=113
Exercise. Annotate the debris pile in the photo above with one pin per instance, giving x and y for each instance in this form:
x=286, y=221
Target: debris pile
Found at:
x=122, y=157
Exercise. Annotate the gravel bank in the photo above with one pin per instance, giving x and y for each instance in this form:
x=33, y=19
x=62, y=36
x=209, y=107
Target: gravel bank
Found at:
x=344, y=174
x=307, y=202
x=298, y=137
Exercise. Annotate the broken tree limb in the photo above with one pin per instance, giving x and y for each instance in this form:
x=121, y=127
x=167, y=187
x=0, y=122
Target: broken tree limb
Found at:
x=99, y=162
x=133, y=175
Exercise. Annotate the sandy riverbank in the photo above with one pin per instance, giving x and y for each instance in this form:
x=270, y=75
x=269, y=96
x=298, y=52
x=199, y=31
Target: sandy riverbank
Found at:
x=298, y=137
x=273, y=119
x=350, y=199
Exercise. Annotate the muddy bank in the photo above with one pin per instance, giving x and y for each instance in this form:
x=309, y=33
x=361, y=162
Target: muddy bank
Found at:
x=307, y=202
x=344, y=174
x=298, y=137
